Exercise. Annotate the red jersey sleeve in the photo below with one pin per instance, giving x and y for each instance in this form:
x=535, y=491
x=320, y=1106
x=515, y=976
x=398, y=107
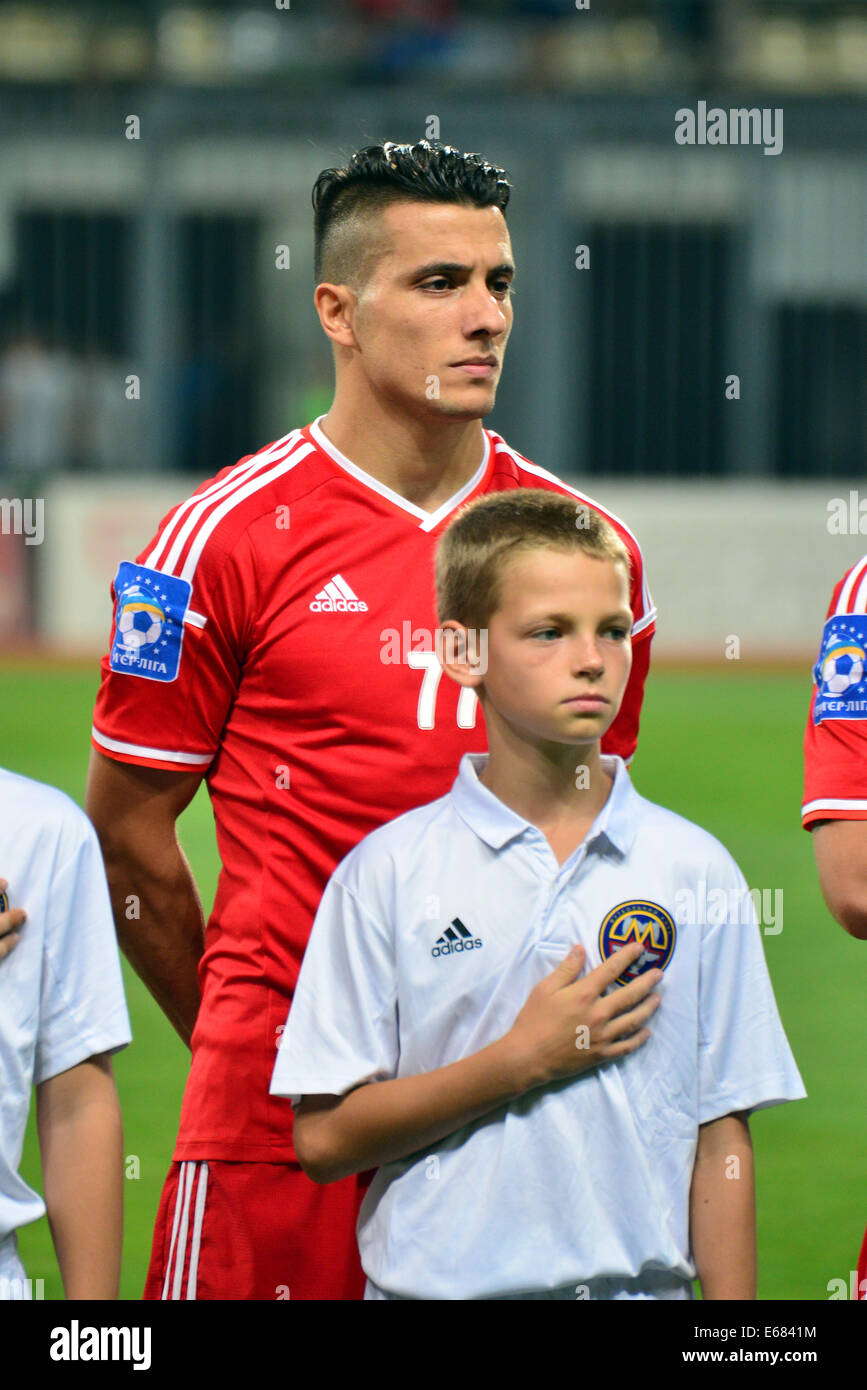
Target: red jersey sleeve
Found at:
x=163, y=702
x=622, y=737
x=835, y=740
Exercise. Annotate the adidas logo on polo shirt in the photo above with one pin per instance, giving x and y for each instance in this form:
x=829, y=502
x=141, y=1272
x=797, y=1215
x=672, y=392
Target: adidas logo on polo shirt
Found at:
x=453, y=941
x=337, y=597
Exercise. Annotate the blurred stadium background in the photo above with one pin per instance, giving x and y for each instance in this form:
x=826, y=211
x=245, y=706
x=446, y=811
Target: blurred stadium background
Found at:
x=147, y=339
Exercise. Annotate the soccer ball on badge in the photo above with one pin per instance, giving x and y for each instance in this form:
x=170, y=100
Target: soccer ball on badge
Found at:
x=842, y=669
x=141, y=620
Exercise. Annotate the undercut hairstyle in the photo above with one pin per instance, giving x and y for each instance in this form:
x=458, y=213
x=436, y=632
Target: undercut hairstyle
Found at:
x=474, y=551
x=347, y=201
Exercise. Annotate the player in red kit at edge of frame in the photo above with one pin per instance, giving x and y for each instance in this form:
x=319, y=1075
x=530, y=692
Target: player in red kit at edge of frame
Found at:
x=835, y=768
x=277, y=637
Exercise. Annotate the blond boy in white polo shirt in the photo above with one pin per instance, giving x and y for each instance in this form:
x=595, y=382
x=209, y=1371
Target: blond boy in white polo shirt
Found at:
x=476, y=1014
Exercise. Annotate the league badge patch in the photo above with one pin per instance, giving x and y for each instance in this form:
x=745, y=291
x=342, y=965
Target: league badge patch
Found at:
x=839, y=673
x=149, y=632
x=639, y=921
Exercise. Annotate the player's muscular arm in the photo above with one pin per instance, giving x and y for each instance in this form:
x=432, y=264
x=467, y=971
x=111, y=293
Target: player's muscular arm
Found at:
x=134, y=810
x=723, y=1210
x=566, y=1026
x=840, y=847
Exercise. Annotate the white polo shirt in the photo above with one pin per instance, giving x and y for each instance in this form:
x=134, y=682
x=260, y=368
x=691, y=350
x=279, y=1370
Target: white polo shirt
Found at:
x=586, y=1178
x=61, y=994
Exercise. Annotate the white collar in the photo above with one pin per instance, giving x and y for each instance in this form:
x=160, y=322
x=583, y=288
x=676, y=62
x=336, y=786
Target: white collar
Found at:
x=429, y=520
x=496, y=823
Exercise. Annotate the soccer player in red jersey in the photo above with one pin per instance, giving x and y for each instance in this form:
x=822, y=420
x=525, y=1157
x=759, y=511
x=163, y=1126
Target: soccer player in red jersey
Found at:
x=278, y=638
x=835, y=768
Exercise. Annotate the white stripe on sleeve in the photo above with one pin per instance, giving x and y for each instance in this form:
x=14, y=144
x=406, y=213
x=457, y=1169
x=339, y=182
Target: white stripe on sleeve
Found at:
x=138, y=750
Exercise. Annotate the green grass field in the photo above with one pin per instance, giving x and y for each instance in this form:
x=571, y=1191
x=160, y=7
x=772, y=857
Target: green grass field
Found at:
x=723, y=749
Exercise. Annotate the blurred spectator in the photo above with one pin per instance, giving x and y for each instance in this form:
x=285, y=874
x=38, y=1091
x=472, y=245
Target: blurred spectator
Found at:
x=692, y=20
x=545, y=9
x=107, y=436
x=38, y=388
x=421, y=14
x=403, y=34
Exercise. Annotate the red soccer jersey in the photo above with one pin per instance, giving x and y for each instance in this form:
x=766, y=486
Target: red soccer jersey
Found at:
x=835, y=742
x=299, y=673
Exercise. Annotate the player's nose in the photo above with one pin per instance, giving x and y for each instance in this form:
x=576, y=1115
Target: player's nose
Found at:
x=485, y=311
x=587, y=654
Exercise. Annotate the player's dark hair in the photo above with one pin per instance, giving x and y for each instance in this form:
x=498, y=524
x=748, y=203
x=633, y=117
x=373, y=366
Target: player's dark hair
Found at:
x=475, y=548
x=378, y=175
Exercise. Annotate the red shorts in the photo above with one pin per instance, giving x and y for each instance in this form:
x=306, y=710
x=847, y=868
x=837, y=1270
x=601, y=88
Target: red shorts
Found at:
x=862, y=1270
x=255, y=1231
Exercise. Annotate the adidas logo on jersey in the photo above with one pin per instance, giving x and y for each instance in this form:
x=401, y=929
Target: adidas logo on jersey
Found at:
x=337, y=597
x=451, y=941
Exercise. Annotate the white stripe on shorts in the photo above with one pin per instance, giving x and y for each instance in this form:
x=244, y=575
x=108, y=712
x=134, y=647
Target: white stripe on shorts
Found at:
x=181, y=1255
x=179, y=1198
x=198, y=1218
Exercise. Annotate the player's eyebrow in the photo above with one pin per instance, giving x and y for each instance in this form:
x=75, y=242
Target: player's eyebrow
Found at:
x=455, y=268
x=623, y=616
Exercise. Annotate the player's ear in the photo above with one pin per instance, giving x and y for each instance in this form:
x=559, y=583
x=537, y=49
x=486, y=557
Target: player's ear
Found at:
x=335, y=305
x=462, y=652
